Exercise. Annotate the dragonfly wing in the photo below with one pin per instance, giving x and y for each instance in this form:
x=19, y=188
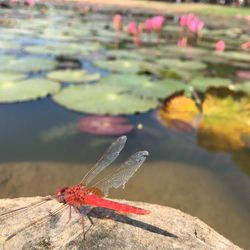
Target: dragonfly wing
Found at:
x=107, y=158
x=121, y=175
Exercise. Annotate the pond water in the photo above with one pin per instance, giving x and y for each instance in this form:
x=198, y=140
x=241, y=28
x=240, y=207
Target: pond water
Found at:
x=41, y=152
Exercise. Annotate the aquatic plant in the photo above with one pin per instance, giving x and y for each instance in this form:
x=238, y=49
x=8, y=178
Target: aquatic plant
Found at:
x=105, y=125
x=220, y=127
x=220, y=46
x=73, y=76
x=117, y=22
x=102, y=100
x=26, y=90
x=157, y=23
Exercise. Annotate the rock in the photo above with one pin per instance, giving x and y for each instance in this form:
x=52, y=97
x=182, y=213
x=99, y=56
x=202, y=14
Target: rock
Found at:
x=164, y=228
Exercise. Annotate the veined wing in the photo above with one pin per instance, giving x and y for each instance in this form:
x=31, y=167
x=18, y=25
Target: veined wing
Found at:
x=107, y=158
x=121, y=175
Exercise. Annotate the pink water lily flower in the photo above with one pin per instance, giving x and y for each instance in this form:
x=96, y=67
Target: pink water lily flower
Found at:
x=245, y=45
x=220, y=46
x=30, y=3
x=158, y=22
x=137, y=40
x=149, y=25
x=182, y=42
x=184, y=20
x=117, y=23
x=195, y=25
x=132, y=28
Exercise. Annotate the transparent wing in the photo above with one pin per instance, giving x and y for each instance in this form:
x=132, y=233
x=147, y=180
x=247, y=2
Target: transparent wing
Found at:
x=121, y=175
x=107, y=158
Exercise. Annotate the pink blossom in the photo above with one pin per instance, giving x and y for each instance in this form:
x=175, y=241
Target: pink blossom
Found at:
x=184, y=20
x=117, y=22
x=245, y=45
x=158, y=22
x=137, y=39
x=14, y=1
x=195, y=25
x=132, y=28
x=220, y=46
x=190, y=17
x=148, y=25
x=30, y=2
x=182, y=42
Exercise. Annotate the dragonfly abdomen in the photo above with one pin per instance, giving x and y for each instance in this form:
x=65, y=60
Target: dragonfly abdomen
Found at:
x=93, y=200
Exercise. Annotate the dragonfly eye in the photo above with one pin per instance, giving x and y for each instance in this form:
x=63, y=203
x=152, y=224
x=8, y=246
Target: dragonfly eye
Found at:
x=59, y=195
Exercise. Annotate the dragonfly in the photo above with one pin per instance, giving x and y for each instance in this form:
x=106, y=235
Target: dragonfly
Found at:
x=88, y=194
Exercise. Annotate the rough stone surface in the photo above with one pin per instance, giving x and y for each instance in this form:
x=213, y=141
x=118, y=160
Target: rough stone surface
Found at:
x=164, y=228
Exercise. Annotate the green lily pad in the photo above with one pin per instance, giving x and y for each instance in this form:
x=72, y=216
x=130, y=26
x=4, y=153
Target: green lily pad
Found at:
x=63, y=49
x=234, y=55
x=186, y=65
x=8, y=45
x=26, y=90
x=189, y=52
x=127, y=54
x=203, y=83
x=244, y=87
x=73, y=76
x=100, y=99
x=122, y=66
x=143, y=87
x=11, y=76
x=27, y=64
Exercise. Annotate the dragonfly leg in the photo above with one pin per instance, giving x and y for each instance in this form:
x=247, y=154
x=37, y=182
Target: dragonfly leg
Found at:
x=91, y=224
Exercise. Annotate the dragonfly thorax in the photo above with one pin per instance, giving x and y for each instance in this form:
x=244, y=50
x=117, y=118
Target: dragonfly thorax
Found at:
x=59, y=195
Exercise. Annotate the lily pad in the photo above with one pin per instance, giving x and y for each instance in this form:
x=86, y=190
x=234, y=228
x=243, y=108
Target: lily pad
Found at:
x=234, y=55
x=105, y=125
x=186, y=65
x=243, y=74
x=26, y=90
x=100, y=99
x=11, y=76
x=73, y=76
x=203, y=83
x=122, y=66
x=63, y=49
x=142, y=86
x=8, y=45
x=244, y=87
x=127, y=54
x=27, y=64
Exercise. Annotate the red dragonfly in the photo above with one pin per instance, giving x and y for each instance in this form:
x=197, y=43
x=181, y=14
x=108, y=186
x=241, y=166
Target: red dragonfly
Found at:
x=87, y=195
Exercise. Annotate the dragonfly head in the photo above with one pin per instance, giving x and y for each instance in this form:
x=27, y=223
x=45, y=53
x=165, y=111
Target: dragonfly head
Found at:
x=59, y=195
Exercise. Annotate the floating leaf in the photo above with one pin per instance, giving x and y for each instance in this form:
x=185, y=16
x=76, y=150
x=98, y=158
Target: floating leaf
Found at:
x=8, y=45
x=67, y=49
x=100, y=99
x=243, y=74
x=127, y=54
x=234, y=55
x=244, y=87
x=105, y=125
x=73, y=76
x=203, y=83
x=17, y=91
x=11, y=76
x=186, y=65
x=142, y=86
x=123, y=66
x=27, y=64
